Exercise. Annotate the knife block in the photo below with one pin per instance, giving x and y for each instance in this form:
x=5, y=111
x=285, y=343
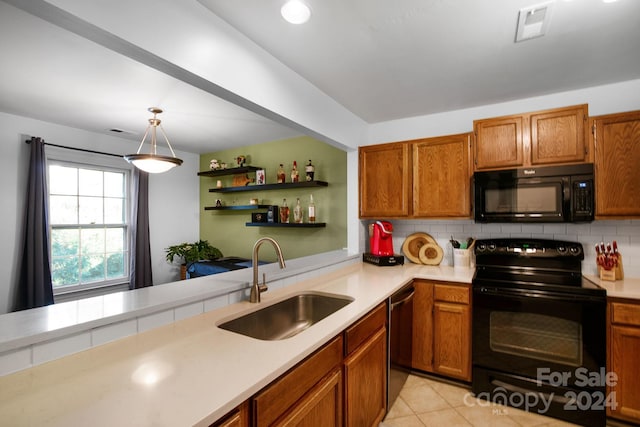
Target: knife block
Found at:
x=619, y=269
x=614, y=274
x=608, y=275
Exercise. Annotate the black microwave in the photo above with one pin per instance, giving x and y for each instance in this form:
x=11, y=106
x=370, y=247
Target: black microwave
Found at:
x=538, y=194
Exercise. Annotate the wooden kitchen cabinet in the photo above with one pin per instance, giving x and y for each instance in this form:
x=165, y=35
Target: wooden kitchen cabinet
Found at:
x=321, y=406
x=422, y=344
x=442, y=177
x=452, y=331
x=343, y=383
x=385, y=180
x=310, y=390
x=624, y=349
x=499, y=142
x=365, y=368
x=442, y=329
x=616, y=138
x=555, y=136
x=239, y=417
x=422, y=178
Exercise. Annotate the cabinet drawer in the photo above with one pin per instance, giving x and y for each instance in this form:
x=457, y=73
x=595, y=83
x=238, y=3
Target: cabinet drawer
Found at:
x=451, y=293
x=626, y=314
x=365, y=327
x=278, y=397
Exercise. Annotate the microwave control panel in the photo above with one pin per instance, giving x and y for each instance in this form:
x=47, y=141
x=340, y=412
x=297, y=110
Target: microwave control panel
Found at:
x=582, y=197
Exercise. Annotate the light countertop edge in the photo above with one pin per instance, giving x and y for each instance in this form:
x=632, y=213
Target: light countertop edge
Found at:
x=628, y=288
x=23, y=328
x=190, y=372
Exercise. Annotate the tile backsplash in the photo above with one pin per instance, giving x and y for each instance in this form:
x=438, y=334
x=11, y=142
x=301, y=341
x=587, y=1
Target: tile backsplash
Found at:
x=625, y=232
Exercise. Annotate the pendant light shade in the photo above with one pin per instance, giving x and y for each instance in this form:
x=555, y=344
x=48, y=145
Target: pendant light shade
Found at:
x=152, y=162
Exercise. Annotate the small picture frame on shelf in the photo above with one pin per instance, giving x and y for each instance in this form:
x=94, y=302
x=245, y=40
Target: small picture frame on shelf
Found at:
x=260, y=177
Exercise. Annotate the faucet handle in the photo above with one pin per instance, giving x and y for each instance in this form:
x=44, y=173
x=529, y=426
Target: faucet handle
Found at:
x=263, y=286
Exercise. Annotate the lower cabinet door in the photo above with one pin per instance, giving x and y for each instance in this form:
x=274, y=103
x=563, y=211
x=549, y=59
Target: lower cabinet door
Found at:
x=451, y=339
x=625, y=348
x=320, y=407
x=422, y=343
x=239, y=417
x=366, y=382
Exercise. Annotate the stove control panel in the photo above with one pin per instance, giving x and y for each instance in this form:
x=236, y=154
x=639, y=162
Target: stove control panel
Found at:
x=535, y=248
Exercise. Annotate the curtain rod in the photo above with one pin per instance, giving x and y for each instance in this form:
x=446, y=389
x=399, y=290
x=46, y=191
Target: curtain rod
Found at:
x=28, y=141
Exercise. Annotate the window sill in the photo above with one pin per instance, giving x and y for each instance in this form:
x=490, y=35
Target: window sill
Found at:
x=64, y=296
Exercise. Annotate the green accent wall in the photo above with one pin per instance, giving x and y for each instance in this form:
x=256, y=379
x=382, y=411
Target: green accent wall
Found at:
x=226, y=229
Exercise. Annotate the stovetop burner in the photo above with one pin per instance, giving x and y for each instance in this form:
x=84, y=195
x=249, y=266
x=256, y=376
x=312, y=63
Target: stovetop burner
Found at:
x=537, y=264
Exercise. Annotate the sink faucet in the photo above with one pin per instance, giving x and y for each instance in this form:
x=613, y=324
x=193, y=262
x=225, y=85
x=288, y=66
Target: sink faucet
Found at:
x=257, y=288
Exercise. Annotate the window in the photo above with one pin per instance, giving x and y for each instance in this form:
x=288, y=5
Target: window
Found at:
x=88, y=220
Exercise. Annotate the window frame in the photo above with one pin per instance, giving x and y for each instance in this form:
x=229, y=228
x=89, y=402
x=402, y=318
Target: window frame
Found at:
x=86, y=160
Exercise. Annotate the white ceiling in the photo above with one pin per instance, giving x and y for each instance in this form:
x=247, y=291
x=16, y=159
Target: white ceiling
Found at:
x=385, y=59
x=382, y=60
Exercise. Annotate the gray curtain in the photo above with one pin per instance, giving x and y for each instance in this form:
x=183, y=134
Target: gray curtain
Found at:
x=34, y=284
x=140, y=250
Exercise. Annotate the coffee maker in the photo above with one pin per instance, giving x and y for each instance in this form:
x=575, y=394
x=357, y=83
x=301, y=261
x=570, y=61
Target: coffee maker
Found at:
x=381, y=238
x=381, y=245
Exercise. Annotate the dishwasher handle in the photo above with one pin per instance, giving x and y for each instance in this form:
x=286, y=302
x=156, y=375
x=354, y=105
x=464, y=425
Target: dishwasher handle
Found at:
x=404, y=300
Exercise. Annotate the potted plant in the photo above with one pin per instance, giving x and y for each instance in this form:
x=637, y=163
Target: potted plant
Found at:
x=188, y=253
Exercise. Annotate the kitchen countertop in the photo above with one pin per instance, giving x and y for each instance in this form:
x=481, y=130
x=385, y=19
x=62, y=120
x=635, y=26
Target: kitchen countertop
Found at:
x=60, y=320
x=190, y=372
x=628, y=288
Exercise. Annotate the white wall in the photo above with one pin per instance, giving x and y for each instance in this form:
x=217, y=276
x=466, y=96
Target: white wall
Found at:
x=604, y=99
x=173, y=196
x=625, y=232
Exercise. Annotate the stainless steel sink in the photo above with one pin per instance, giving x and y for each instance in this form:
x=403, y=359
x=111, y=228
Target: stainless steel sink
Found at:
x=287, y=318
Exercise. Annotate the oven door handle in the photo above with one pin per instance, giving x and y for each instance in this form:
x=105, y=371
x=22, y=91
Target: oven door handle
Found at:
x=529, y=293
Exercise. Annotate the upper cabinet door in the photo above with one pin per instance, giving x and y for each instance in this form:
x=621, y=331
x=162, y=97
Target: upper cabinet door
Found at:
x=499, y=142
x=617, y=160
x=546, y=137
x=442, y=177
x=559, y=136
x=385, y=180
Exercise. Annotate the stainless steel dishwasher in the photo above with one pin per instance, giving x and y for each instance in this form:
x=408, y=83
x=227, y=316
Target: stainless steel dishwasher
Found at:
x=400, y=338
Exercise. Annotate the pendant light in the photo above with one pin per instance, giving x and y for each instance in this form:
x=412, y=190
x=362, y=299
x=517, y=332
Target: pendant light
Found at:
x=152, y=162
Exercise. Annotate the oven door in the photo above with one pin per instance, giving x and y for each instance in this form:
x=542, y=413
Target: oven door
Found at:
x=531, y=333
x=510, y=199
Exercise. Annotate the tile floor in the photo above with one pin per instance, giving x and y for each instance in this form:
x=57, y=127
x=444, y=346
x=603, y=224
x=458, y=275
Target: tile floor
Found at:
x=426, y=402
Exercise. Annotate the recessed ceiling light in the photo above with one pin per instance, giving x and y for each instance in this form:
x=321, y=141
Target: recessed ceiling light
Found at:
x=295, y=12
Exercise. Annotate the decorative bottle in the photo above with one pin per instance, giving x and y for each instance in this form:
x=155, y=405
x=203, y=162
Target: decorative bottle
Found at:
x=295, y=175
x=312, y=210
x=284, y=212
x=297, y=212
x=281, y=175
x=309, y=169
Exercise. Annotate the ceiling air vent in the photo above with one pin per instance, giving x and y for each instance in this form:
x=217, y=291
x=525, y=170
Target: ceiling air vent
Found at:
x=533, y=21
x=118, y=130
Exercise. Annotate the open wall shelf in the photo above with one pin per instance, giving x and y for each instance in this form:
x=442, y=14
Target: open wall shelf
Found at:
x=288, y=225
x=229, y=171
x=235, y=207
x=265, y=187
